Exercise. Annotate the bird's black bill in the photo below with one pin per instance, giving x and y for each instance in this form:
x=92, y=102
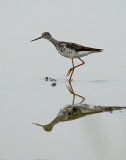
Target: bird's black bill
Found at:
x=35, y=39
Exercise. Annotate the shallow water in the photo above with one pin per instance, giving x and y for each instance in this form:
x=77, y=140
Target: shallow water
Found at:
x=26, y=97
x=95, y=136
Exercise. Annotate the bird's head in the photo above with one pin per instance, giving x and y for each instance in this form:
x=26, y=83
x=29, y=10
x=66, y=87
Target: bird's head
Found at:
x=45, y=35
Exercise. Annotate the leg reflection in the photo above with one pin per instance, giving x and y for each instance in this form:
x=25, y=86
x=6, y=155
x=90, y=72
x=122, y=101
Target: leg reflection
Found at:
x=70, y=89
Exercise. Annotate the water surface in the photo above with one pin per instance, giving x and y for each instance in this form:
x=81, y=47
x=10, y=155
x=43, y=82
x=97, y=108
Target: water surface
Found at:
x=85, y=132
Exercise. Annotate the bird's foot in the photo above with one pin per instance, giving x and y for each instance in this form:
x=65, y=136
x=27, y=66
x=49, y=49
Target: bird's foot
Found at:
x=70, y=70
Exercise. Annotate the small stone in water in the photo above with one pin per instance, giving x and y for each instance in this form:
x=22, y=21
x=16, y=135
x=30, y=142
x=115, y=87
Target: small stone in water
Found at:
x=46, y=78
x=53, y=84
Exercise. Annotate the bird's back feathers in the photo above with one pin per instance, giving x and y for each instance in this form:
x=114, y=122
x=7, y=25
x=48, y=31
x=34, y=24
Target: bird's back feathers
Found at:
x=78, y=47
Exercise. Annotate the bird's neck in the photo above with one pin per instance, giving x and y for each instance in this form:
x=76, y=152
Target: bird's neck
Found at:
x=53, y=41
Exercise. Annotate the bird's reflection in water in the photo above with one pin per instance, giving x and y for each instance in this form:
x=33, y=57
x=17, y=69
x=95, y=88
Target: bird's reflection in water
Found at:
x=70, y=89
x=75, y=111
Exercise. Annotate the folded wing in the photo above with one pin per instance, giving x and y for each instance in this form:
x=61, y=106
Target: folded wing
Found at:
x=78, y=47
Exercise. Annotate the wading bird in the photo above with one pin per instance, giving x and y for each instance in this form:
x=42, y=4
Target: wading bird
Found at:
x=69, y=50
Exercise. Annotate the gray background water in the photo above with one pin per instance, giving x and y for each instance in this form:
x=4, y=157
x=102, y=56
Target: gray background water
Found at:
x=27, y=98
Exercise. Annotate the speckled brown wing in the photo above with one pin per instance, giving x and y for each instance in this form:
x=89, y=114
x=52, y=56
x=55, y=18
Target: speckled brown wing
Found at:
x=78, y=47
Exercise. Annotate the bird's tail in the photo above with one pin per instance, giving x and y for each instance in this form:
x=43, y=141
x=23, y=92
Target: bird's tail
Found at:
x=98, y=50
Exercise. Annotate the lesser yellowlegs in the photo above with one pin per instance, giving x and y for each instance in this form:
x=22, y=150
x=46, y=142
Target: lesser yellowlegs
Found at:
x=69, y=50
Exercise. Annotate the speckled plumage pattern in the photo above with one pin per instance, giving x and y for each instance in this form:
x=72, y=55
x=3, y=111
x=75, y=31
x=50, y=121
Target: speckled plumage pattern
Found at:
x=73, y=50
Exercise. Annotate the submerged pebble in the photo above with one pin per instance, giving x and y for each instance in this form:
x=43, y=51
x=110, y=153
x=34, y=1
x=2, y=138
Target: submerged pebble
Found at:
x=53, y=84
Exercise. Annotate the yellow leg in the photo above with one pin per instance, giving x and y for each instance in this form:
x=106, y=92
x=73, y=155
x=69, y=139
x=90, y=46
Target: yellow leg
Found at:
x=71, y=69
